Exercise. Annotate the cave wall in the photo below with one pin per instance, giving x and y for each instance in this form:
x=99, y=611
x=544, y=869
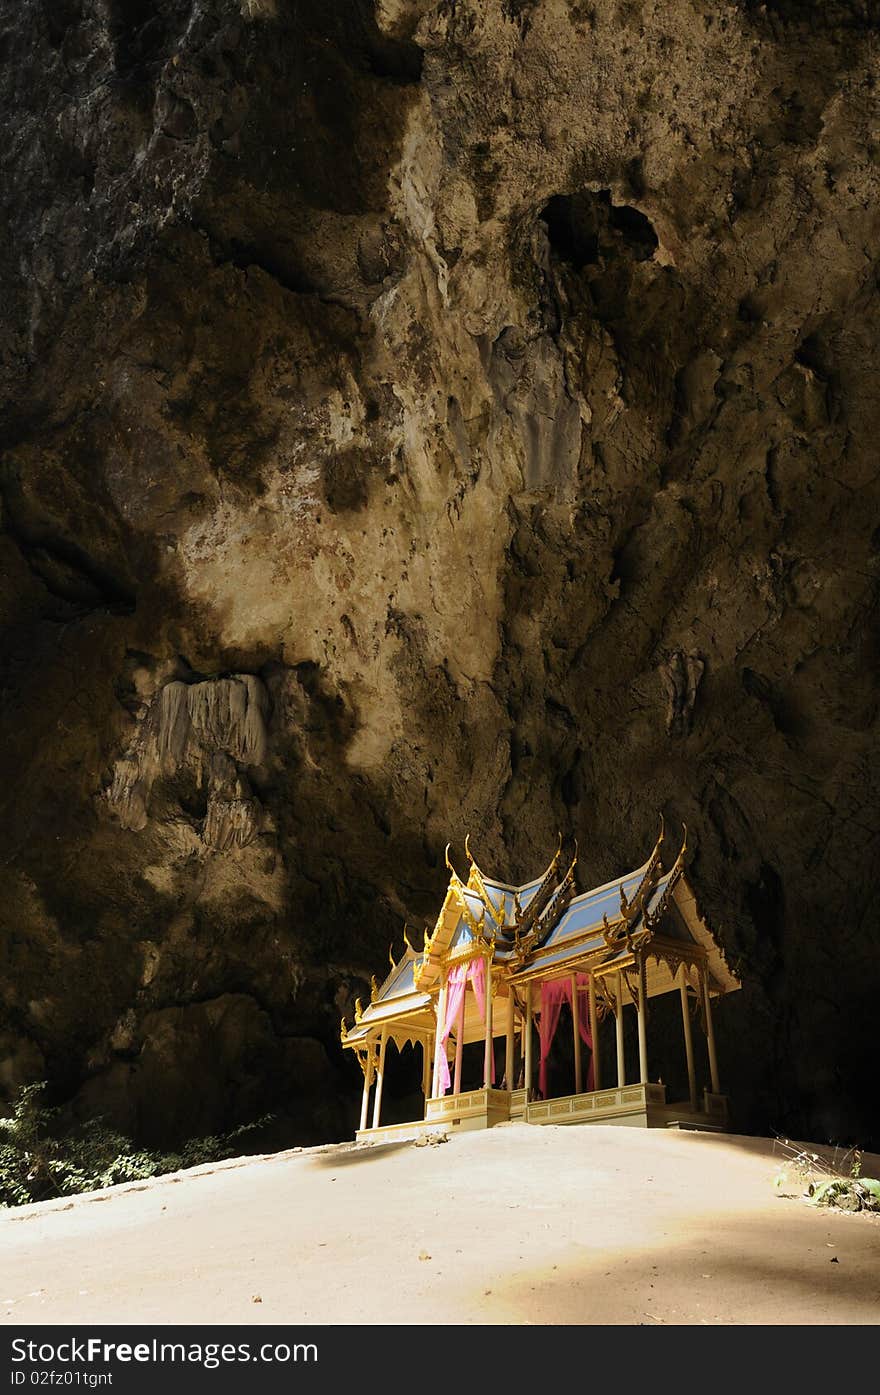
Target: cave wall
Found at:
x=422, y=418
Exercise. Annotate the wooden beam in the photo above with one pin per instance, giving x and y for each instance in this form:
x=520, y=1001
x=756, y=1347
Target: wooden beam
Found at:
x=578, y=1064
x=427, y=1062
x=380, y=1076
x=487, y=1055
x=710, y=1033
x=618, y=1023
x=365, y=1101
x=688, y=1038
x=643, y=1022
x=529, y=1045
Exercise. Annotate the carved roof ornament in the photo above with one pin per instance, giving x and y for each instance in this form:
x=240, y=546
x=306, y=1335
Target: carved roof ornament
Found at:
x=605, y=1002
x=477, y=881
x=618, y=932
x=653, y=919
x=526, y=921
x=545, y=920
x=632, y=982
x=456, y=879
x=475, y=924
x=635, y=907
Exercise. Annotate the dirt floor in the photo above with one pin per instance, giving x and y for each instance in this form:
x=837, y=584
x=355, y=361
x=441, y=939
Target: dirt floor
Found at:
x=521, y=1224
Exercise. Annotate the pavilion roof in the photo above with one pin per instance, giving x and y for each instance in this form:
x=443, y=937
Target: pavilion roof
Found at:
x=537, y=929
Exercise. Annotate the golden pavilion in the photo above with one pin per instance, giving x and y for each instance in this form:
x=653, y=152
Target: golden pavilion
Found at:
x=502, y=961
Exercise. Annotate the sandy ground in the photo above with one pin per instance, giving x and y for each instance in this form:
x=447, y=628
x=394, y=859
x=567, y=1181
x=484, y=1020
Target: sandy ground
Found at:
x=520, y=1224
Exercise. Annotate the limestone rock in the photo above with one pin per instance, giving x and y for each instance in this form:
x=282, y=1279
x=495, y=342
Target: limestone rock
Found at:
x=393, y=393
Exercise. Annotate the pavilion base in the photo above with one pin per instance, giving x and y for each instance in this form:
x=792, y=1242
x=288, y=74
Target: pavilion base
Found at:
x=397, y=1133
x=476, y=1109
x=637, y=1106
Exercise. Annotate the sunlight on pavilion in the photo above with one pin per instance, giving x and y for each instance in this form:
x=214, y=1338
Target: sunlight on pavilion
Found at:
x=501, y=962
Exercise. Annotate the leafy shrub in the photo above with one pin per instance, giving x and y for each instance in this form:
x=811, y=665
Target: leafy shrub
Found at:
x=39, y=1159
x=823, y=1183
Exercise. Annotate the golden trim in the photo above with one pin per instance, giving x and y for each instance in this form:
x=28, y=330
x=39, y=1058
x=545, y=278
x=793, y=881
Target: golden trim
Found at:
x=475, y=926
x=630, y=910
x=633, y=989
x=654, y=918
x=544, y=909
x=496, y=912
x=456, y=879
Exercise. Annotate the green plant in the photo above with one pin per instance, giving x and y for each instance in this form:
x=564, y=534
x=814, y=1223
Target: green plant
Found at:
x=836, y=1182
x=40, y=1159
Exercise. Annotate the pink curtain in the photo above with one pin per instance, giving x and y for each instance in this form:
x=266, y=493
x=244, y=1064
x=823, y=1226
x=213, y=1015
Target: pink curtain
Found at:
x=477, y=975
x=478, y=979
x=553, y=995
x=456, y=985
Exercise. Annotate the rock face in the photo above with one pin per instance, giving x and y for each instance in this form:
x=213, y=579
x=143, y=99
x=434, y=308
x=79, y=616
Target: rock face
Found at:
x=420, y=418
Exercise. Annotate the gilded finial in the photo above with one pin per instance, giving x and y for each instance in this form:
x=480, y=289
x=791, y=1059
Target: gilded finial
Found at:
x=358, y=1011
x=343, y=1030
x=455, y=877
x=391, y=954
x=467, y=848
x=653, y=919
x=374, y=988
x=406, y=937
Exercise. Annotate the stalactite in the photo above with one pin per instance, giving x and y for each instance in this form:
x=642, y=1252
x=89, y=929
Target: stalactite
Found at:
x=211, y=728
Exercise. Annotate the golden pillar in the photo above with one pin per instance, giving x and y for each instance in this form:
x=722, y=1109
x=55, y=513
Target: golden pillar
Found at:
x=575, y=1023
x=508, y=1058
x=618, y=1025
x=380, y=1076
x=528, y=1047
x=710, y=1033
x=688, y=1038
x=643, y=1022
x=487, y=1055
x=594, y=1035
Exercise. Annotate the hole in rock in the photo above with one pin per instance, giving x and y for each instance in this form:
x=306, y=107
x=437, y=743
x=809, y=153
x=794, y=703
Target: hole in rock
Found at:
x=586, y=227
x=139, y=32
